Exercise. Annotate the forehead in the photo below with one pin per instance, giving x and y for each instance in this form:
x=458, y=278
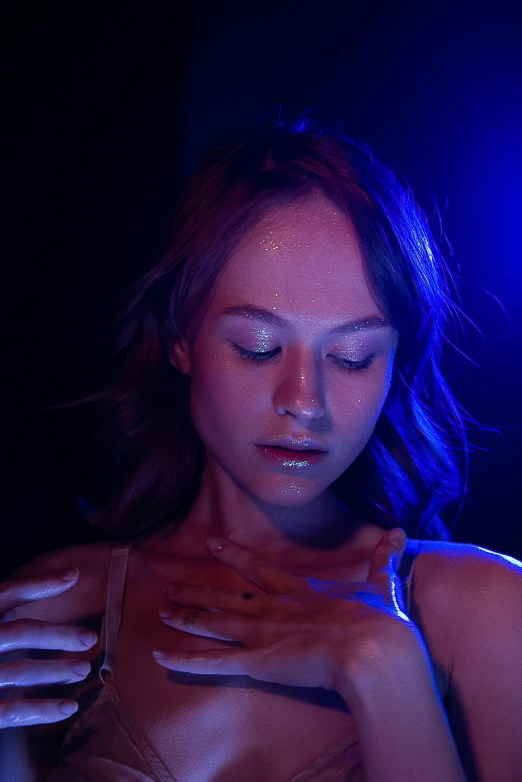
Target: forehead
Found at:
x=302, y=257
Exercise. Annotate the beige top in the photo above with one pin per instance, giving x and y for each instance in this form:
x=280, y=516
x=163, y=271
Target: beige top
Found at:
x=104, y=743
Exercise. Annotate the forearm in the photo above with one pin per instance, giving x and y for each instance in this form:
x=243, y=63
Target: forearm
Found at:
x=404, y=734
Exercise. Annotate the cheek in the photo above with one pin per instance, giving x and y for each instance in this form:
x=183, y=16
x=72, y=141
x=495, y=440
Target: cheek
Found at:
x=219, y=402
x=360, y=403
x=224, y=401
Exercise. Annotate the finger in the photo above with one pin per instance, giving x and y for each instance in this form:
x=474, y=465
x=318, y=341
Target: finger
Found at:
x=219, y=625
x=17, y=593
x=371, y=594
x=348, y=589
x=386, y=558
x=235, y=662
x=256, y=568
x=15, y=712
x=23, y=672
x=239, y=601
x=37, y=634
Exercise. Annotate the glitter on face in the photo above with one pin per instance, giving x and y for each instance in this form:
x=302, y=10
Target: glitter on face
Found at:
x=261, y=336
x=272, y=396
x=299, y=463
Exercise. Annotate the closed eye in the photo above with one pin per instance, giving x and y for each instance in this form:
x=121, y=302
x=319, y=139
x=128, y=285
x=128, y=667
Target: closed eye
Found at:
x=251, y=355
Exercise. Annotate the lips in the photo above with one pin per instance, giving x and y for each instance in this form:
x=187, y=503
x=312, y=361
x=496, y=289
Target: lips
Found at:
x=291, y=443
x=295, y=450
x=292, y=458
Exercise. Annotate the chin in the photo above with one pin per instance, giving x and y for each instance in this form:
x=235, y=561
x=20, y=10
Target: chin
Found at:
x=289, y=492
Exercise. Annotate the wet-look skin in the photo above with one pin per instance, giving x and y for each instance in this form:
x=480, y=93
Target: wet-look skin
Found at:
x=302, y=263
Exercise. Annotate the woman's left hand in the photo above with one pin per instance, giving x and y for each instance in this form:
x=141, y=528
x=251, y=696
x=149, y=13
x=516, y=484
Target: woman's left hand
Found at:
x=301, y=632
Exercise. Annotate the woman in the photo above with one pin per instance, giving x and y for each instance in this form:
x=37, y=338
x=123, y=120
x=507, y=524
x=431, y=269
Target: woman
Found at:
x=280, y=389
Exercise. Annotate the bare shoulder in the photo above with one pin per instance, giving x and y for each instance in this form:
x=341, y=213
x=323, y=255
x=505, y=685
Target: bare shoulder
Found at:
x=85, y=597
x=86, y=554
x=451, y=581
x=447, y=571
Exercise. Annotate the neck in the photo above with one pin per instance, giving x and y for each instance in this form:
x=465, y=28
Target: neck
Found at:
x=321, y=531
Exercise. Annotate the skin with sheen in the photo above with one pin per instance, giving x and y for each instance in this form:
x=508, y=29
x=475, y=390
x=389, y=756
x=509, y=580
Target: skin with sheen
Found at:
x=302, y=262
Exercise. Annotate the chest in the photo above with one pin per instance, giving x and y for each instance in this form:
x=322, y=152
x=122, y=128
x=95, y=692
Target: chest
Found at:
x=202, y=724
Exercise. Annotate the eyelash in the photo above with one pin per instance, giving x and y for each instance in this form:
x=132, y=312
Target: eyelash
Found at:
x=344, y=363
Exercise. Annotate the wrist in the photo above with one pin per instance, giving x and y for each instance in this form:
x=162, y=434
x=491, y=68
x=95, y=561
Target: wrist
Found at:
x=390, y=669
x=402, y=727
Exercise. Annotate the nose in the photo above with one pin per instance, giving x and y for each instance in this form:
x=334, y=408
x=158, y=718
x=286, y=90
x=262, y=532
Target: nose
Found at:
x=300, y=387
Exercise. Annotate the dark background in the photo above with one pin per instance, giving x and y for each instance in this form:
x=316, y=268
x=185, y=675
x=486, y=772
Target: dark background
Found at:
x=107, y=105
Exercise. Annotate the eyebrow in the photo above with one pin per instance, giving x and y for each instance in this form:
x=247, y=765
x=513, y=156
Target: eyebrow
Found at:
x=249, y=311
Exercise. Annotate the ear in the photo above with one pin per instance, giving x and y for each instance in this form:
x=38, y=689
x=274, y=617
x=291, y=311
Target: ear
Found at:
x=180, y=357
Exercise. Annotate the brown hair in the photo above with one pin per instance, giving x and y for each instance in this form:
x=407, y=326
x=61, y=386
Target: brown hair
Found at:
x=409, y=471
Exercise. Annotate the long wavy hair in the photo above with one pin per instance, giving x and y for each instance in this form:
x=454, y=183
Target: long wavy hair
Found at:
x=416, y=463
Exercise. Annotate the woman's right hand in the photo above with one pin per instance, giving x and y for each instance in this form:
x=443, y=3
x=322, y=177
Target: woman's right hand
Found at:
x=16, y=634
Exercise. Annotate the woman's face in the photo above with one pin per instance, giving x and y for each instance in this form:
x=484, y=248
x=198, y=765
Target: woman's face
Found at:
x=303, y=265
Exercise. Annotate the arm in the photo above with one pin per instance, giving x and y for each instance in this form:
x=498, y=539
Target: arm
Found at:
x=478, y=596
x=485, y=696
x=404, y=735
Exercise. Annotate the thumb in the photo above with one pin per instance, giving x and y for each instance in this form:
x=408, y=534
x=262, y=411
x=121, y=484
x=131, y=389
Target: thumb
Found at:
x=397, y=538
x=387, y=553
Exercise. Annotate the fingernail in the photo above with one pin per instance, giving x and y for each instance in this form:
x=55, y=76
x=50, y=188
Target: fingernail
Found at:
x=68, y=575
x=160, y=654
x=81, y=667
x=68, y=707
x=87, y=637
x=397, y=538
x=165, y=613
x=215, y=544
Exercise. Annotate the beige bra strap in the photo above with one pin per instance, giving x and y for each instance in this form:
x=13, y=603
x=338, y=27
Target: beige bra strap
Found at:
x=116, y=586
x=113, y=610
x=405, y=573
